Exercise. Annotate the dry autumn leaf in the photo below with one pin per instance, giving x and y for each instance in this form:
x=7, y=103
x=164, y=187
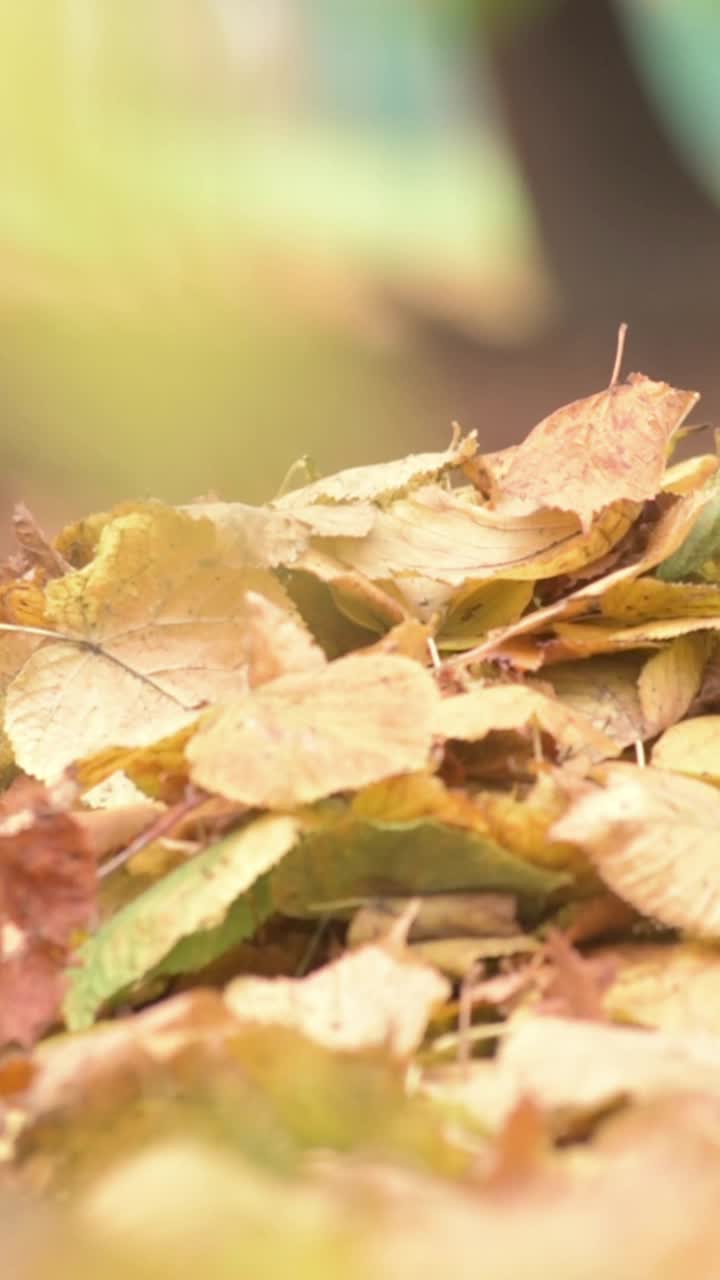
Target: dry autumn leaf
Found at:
x=608, y=447
x=193, y=899
x=670, y=680
x=366, y=999
x=671, y=986
x=378, y=482
x=666, y=535
x=649, y=600
x=450, y=537
x=348, y=656
x=47, y=893
x=252, y=537
x=305, y=736
x=692, y=747
x=652, y=836
x=605, y=691
x=576, y=1069
x=150, y=630
x=471, y=716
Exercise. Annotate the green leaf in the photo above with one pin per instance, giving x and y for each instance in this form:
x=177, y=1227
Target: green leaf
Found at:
x=702, y=543
x=193, y=899
x=200, y=949
x=355, y=859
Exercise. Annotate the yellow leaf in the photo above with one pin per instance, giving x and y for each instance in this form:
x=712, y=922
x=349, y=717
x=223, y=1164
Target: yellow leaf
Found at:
x=692, y=747
x=523, y=824
x=585, y=638
x=15, y=650
x=149, y=631
x=674, y=987
x=331, y=519
x=667, y=535
x=690, y=474
x=417, y=795
x=369, y=998
x=276, y=642
x=378, y=482
x=360, y=719
x=450, y=537
x=159, y=770
x=649, y=600
x=652, y=836
x=606, y=448
x=479, y=607
x=23, y=602
x=670, y=680
x=471, y=716
x=252, y=537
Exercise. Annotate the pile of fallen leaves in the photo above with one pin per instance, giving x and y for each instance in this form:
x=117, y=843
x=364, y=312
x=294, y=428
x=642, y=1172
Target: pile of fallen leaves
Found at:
x=379, y=829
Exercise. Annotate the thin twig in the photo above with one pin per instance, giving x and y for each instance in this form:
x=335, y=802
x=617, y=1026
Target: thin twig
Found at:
x=162, y=826
x=619, y=353
x=310, y=951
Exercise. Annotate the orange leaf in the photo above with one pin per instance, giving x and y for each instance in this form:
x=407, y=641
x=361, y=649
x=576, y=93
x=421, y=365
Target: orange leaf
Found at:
x=596, y=451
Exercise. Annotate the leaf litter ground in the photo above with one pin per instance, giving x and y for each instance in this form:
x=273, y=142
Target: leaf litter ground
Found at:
x=360, y=869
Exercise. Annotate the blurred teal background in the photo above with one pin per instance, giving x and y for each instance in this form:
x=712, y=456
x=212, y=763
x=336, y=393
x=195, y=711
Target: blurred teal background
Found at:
x=236, y=231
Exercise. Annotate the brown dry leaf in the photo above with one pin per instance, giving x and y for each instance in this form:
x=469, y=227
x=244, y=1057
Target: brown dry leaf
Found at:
x=148, y=632
x=670, y=681
x=574, y=984
x=691, y=747
x=606, y=448
x=378, y=482
x=35, y=549
x=674, y=987
x=649, y=600
x=652, y=836
x=47, y=893
x=32, y=986
x=666, y=536
x=471, y=716
x=369, y=998
x=450, y=537
x=47, y=866
x=301, y=737
x=604, y=691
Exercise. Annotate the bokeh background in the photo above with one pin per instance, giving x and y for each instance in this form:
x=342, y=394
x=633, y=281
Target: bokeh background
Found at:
x=233, y=232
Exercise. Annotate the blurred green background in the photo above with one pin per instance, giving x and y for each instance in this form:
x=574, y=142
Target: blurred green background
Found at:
x=236, y=231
